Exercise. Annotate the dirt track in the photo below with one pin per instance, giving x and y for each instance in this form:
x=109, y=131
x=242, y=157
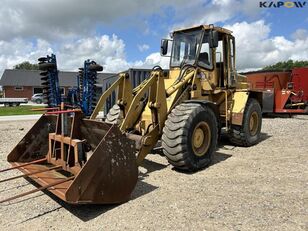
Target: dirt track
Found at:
x=259, y=188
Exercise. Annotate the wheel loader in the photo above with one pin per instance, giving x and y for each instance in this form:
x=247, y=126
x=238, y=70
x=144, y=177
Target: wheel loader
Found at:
x=92, y=160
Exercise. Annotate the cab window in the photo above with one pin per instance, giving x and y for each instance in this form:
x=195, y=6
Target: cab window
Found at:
x=205, y=55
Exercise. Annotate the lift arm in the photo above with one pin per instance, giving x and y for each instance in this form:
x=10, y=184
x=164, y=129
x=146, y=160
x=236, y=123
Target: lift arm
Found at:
x=124, y=94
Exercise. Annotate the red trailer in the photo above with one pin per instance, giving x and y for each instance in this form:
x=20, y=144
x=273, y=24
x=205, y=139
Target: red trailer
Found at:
x=285, y=91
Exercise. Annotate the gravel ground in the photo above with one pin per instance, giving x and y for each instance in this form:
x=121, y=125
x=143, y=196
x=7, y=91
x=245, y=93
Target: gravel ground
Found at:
x=258, y=188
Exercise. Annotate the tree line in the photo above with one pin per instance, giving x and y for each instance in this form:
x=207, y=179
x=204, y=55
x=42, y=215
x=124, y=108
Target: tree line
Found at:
x=26, y=65
x=286, y=65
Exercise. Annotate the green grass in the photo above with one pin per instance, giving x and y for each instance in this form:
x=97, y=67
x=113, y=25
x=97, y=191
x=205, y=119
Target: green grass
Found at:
x=20, y=110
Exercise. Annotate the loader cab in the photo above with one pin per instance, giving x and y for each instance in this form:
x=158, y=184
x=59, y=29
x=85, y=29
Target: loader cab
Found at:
x=210, y=48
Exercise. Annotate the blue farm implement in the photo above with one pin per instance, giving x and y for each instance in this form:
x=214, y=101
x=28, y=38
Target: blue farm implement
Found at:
x=50, y=80
x=86, y=82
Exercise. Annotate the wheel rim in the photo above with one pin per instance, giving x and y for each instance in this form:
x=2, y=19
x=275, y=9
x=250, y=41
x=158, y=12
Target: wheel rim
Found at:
x=201, y=139
x=253, y=123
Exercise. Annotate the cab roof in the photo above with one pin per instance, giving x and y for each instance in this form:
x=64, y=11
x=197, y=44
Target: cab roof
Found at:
x=205, y=27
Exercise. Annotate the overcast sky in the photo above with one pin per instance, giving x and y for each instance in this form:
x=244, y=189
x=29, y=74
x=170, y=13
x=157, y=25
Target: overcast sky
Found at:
x=126, y=33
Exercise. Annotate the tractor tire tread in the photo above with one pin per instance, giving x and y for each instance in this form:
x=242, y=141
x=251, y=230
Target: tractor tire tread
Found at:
x=175, y=135
x=237, y=134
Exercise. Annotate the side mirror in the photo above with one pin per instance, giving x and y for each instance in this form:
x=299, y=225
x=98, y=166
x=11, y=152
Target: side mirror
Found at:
x=213, y=39
x=164, y=47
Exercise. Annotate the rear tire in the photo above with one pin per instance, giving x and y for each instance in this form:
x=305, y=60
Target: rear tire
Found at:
x=249, y=133
x=190, y=136
x=115, y=115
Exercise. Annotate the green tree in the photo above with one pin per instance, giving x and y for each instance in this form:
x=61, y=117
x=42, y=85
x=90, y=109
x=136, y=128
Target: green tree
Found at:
x=286, y=65
x=26, y=65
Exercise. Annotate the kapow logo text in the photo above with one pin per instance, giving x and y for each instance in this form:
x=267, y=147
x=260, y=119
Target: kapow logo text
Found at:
x=283, y=4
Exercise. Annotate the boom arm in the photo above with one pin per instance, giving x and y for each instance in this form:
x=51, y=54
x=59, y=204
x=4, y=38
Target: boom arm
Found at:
x=156, y=102
x=124, y=95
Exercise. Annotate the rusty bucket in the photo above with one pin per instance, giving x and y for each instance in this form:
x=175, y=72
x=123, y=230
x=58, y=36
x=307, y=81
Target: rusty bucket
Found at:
x=85, y=161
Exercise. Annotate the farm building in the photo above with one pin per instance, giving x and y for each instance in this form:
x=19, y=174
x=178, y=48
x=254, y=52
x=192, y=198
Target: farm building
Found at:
x=25, y=83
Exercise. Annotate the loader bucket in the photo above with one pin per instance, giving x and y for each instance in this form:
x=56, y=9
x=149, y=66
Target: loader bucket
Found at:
x=95, y=164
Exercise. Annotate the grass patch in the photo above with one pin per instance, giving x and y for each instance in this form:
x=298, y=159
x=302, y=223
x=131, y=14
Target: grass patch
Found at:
x=20, y=110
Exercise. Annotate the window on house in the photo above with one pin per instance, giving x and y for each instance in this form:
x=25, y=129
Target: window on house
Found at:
x=37, y=90
x=19, y=88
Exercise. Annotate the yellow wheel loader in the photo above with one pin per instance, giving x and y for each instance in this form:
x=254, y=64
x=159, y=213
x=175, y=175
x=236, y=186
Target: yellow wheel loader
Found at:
x=186, y=108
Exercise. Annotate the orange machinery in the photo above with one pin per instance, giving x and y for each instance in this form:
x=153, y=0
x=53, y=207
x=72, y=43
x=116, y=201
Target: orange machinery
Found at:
x=286, y=91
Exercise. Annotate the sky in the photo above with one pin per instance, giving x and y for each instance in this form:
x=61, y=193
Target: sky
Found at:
x=121, y=34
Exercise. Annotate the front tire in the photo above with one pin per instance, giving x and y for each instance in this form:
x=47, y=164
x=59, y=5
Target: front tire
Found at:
x=38, y=101
x=249, y=133
x=190, y=136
